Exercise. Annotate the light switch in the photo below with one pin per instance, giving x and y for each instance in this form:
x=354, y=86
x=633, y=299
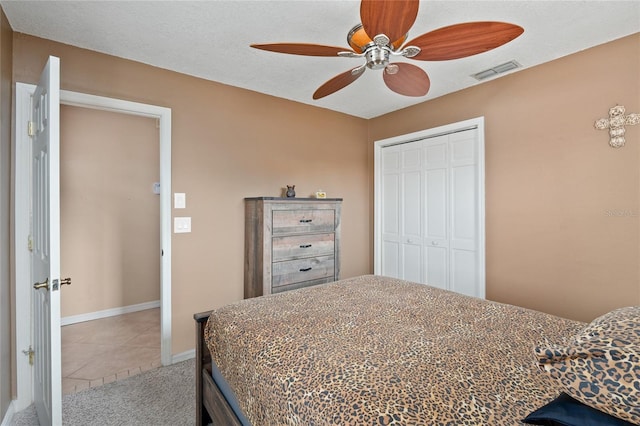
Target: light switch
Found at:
x=179, y=200
x=181, y=225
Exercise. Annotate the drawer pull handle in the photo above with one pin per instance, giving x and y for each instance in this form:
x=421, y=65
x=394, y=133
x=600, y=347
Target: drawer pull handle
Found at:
x=305, y=269
x=305, y=246
x=306, y=220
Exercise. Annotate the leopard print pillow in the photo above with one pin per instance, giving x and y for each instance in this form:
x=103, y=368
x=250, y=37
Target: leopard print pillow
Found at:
x=601, y=365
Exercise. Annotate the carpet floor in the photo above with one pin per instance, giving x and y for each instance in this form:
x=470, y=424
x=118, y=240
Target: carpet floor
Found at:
x=164, y=396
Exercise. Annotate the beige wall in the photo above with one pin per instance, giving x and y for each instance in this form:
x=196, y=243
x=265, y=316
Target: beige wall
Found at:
x=552, y=180
x=110, y=218
x=562, y=207
x=227, y=144
x=6, y=311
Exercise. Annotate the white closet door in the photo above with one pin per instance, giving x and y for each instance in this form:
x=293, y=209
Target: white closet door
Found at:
x=436, y=211
x=391, y=190
x=464, y=212
x=431, y=214
x=411, y=213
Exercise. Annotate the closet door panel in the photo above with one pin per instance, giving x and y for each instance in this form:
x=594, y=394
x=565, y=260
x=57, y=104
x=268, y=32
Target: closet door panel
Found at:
x=391, y=214
x=391, y=259
x=464, y=272
x=411, y=157
x=463, y=207
x=412, y=262
x=435, y=152
x=436, y=205
x=464, y=190
x=411, y=207
x=437, y=266
x=463, y=147
x=436, y=211
x=464, y=213
x=411, y=200
x=391, y=159
x=391, y=205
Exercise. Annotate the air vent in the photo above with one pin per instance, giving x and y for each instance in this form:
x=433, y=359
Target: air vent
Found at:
x=498, y=69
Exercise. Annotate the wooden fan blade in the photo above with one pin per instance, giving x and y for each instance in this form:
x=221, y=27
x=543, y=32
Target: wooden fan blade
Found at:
x=410, y=80
x=462, y=40
x=305, y=49
x=392, y=18
x=338, y=82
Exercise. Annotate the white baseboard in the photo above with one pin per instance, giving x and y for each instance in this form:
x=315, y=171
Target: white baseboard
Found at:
x=183, y=356
x=8, y=416
x=73, y=319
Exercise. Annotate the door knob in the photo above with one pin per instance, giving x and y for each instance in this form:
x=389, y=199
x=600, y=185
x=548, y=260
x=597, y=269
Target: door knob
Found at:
x=44, y=284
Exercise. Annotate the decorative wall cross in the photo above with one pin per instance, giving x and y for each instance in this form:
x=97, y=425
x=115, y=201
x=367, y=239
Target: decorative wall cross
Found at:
x=615, y=123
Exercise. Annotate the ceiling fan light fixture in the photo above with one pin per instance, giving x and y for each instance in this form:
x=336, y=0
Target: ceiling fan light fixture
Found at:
x=377, y=57
x=358, y=39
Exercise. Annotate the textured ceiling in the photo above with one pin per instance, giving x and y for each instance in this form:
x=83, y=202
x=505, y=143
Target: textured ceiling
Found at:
x=210, y=40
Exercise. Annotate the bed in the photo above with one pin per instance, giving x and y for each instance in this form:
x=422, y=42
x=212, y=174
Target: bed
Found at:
x=373, y=350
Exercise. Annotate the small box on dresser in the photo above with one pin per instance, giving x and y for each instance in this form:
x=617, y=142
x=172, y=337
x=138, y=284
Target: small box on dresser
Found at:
x=290, y=243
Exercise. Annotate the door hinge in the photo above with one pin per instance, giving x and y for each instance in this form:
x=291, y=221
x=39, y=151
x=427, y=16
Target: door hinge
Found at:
x=30, y=353
x=31, y=128
x=30, y=243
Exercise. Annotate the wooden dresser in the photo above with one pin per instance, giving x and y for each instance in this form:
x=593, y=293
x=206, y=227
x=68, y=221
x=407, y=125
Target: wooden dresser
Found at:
x=290, y=243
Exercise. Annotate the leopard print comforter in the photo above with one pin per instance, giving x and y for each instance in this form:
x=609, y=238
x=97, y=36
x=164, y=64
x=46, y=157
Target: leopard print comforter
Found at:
x=374, y=350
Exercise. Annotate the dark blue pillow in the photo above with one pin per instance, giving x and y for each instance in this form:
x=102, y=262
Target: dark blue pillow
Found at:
x=566, y=411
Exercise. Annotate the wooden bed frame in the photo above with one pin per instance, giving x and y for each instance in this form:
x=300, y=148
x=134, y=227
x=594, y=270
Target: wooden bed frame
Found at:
x=211, y=405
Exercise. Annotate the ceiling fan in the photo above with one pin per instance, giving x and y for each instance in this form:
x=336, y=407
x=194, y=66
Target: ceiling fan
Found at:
x=382, y=35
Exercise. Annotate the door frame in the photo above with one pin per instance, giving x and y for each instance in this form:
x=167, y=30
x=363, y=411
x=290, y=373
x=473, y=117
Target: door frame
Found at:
x=473, y=123
x=22, y=151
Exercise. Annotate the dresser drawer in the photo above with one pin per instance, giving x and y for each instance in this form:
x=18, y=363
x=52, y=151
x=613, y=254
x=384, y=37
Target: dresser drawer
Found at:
x=298, y=221
x=296, y=246
x=293, y=271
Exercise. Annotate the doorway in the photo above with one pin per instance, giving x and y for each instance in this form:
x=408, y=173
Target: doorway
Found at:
x=21, y=151
x=110, y=223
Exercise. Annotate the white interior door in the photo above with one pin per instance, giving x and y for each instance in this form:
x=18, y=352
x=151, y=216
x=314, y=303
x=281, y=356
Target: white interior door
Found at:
x=45, y=234
x=22, y=148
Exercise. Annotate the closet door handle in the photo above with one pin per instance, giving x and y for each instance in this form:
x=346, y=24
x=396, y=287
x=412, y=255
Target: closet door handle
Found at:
x=305, y=245
x=305, y=269
x=434, y=243
x=306, y=220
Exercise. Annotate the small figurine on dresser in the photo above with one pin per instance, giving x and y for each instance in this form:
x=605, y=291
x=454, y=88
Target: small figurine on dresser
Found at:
x=291, y=191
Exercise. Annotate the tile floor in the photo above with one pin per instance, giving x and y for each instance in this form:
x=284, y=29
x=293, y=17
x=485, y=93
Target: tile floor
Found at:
x=109, y=349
